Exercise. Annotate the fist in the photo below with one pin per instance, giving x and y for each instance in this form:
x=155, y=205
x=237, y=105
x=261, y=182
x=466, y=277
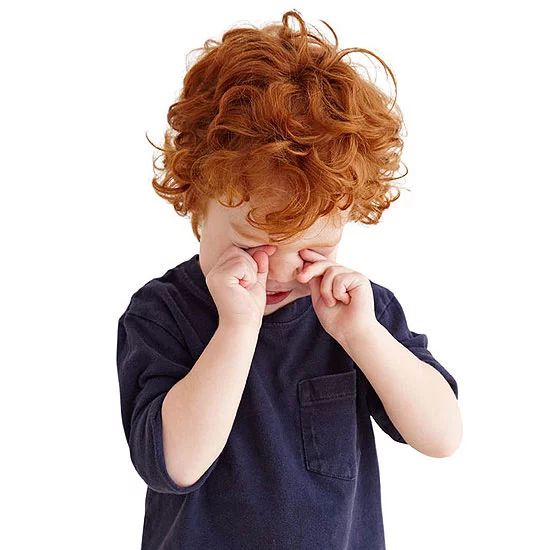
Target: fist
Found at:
x=237, y=283
x=342, y=297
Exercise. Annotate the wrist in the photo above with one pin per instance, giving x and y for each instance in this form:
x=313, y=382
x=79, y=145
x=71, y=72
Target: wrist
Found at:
x=239, y=328
x=360, y=334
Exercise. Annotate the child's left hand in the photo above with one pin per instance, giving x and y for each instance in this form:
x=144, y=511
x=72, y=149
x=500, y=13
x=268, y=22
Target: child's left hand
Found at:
x=348, y=292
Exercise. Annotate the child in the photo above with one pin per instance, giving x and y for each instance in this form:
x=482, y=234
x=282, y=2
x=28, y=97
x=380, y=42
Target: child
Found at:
x=249, y=372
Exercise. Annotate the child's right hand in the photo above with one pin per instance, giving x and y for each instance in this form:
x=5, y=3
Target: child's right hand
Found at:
x=237, y=283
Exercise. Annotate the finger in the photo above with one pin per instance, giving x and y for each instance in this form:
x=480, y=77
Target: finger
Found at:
x=262, y=259
x=247, y=271
x=308, y=253
x=339, y=288
x=314, y=288
x=250, y=277
x=269, y=249
x=234, y=253
x=326, y=284
x=314, y=270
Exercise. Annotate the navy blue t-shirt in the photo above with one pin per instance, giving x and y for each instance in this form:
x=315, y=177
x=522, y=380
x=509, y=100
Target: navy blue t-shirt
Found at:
x=299, y=469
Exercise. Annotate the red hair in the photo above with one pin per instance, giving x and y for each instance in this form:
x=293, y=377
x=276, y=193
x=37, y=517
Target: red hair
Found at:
x=273, y=116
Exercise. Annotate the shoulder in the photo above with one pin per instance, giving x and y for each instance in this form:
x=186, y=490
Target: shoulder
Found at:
x=383, y=297
x=157, y=299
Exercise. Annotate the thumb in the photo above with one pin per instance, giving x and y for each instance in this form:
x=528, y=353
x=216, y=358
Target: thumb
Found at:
x=262, y=260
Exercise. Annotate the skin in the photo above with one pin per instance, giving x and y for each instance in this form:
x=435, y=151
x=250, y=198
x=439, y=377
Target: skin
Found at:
x=416, y=397
x=287, y=260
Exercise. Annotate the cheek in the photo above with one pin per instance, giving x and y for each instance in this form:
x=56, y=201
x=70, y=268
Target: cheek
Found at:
x=331, y=253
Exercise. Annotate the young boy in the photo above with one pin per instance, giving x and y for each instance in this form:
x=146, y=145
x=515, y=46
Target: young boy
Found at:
x=249, y=372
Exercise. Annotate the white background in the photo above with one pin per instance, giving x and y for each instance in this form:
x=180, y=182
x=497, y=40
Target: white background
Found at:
x=464, y=251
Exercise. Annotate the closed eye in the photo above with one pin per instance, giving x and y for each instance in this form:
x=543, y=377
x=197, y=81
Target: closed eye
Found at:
x=318, y=252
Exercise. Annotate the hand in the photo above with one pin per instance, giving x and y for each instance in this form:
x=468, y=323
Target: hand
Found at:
x=342, y=298
x=237, y=283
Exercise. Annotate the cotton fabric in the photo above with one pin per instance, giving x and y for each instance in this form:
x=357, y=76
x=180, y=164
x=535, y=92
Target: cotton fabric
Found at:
x=299, y=469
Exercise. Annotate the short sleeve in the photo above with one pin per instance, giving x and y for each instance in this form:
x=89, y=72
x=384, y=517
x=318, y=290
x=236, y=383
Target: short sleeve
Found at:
x=150, y=360
x=394, y=320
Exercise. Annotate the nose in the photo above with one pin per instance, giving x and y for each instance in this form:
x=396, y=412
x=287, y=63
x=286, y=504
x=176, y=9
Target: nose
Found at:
x=284, y=267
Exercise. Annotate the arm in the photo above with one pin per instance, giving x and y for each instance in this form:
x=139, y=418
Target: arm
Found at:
x=198, y=412
x=417, y=398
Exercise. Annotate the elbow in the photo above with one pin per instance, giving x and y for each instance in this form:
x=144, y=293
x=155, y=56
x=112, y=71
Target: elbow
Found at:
x=181, y=476
x=439, y=451
x=449, y=446
x=444, y=446
x=184, y=481
x=174, y=469
x=445, y=451
x=450, y=442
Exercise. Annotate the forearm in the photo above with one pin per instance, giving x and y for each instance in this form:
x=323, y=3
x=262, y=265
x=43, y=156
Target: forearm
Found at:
x=198, y=412
x=416, y=397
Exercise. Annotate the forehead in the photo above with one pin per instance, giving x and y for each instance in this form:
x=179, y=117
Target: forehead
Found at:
x=328, y=229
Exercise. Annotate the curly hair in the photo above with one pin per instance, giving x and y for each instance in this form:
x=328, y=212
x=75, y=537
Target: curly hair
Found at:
x=272, y=116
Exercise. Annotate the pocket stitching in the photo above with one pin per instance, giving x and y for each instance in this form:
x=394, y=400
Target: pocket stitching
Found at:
x=328, y=398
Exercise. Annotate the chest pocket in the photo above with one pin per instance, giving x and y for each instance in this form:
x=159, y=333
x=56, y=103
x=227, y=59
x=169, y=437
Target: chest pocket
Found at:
x=328, y=419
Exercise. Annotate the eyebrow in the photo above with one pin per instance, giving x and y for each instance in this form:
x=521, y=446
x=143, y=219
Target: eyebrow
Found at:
x=247, y=235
